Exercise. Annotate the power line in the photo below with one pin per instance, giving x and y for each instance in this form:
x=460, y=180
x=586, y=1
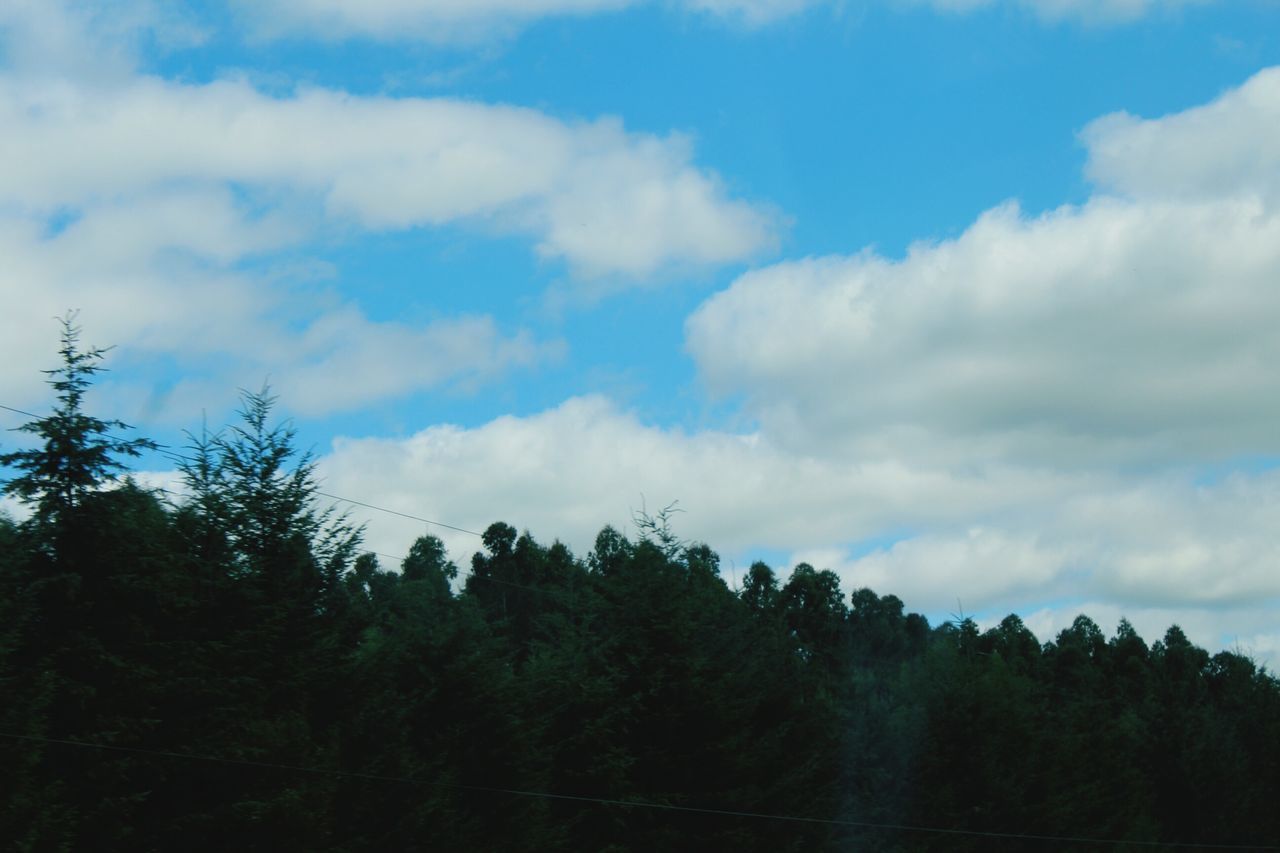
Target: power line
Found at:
x=19, y=411
x=166, y=450
x=397, y=512
x=640, y=804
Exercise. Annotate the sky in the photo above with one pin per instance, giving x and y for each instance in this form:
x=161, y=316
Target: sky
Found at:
x=970, y=301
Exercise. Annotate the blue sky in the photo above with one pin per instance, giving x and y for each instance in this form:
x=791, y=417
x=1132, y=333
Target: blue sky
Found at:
x=965, y=300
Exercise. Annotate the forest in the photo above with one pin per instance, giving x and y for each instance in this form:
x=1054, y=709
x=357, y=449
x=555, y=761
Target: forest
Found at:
x=226, y=669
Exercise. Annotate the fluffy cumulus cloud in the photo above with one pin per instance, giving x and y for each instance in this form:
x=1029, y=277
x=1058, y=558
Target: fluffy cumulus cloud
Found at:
x=1136, y=328
x=585, y=463
x=470, y=21
x=1164, y=545
x=178, y=216
x=1223, y=149
x=1118, y=331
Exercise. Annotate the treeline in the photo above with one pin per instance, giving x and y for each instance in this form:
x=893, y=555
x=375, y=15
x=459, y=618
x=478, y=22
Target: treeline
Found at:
x=226, y=671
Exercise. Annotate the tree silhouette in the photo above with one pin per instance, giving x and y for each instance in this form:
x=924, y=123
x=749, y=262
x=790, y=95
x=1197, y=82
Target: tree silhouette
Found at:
x=77, y=451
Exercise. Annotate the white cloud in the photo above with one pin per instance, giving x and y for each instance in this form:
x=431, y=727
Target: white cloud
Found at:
x=160, y=273
x=977, y=567
x=1023, y=410
x=751, y=12
x=1105, y=11
x=976, y=397
x=1132, y=336
x=1003, y=539
x=469, y=21
x=1247, y=630
x=1115, y=331
x=145, y=201
x=93, y=42
x=569, y=470
x=606, y=201
x=1127, y=330
x=429, y=20
x=345, y=361
x=1092, y=12
x=1226, y=148
x=10, y=507
x=1159, y=543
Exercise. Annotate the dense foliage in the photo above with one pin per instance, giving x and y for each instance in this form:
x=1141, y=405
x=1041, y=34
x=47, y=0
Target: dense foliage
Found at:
x=228, y=672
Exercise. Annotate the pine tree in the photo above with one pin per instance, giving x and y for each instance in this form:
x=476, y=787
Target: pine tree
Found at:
x=78, y=452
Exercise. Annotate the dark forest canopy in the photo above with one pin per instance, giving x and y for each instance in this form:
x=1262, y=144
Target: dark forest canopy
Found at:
x=229, y=671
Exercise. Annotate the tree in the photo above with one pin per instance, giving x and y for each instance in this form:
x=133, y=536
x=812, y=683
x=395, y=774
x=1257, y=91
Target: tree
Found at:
x=656, y=528
x=815, y=612
x=253, y=485
x=275, y=627
x=78, y=453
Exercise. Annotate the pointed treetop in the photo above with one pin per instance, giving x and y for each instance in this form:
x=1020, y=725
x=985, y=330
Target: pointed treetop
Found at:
x=78, y=453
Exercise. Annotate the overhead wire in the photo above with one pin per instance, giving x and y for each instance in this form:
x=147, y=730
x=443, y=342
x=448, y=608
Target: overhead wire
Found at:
x=168, y=451
x=634, y=803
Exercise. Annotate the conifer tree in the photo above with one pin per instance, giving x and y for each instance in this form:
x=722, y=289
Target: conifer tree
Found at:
x=77, y=451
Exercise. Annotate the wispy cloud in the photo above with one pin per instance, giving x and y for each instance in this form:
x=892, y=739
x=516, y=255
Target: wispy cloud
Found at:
x=471, y=21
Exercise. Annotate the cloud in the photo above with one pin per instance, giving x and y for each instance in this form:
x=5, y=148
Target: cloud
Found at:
x=1112, y=332
x=1129, y=330
x=998, y=540
x=1020, y=418
x=427, y=20
x=179, y=218
x=1248, y=630
x=606, y=201
x=11, y=509
x=977, y=567
x=95, y=41
x=345, y=361
x=1091, y=12
x=163, y=272
x=1223, y=149
x=470, y=21
x=752, y=13
x=1160, y=543
x=1128, y=341
x=571, y=469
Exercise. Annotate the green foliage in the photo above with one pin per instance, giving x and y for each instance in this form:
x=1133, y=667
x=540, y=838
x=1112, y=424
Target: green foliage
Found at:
x=251, y=485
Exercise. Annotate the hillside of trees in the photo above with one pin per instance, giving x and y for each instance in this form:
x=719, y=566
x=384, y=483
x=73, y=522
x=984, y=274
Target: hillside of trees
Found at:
x=228, y=671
